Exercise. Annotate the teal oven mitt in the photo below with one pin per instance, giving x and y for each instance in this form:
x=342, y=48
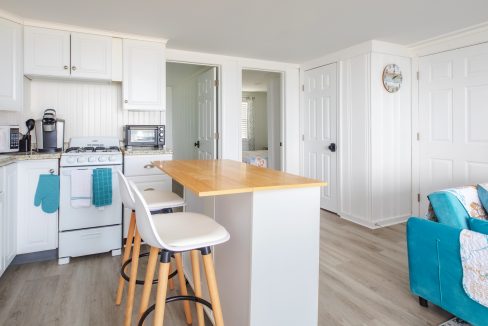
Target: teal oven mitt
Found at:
x=47, y=193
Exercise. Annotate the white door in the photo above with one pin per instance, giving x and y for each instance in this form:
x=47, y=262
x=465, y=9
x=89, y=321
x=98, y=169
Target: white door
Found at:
x=320, y=131
x=207, y=115
x=11, y=62
x=46, y=52
x=91, y=56
x=36, y=230
x=453, y=115
x=144, y=76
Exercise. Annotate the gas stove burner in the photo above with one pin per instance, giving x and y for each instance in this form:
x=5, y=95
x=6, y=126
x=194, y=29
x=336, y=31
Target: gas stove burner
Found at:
x=114, y=148
x=72, y=149
x=88, y=149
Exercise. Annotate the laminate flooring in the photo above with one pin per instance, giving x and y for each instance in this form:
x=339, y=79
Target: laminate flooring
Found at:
x=363, y=281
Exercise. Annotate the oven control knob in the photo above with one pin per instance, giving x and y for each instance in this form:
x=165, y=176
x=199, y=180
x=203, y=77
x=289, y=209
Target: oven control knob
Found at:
x=92, y=159
x=71, y=160
x=112, y=158
x=161, y=134
x=102, y=159
x=81, y=159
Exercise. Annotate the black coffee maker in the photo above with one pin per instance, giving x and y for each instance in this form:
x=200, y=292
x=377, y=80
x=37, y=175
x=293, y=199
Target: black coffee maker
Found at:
x=50, y=132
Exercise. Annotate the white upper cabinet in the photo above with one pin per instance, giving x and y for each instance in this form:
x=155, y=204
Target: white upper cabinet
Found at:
x=46, y=52
x=11, y=75
x=144, y=75
x=91, y=56
x=55, y=53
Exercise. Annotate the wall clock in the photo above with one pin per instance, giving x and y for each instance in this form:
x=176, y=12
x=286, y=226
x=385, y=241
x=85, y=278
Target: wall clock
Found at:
x=392, y=78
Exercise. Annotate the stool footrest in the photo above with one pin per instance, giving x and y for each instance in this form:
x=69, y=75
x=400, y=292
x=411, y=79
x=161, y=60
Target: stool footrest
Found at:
x=172, y=299
x=141, y=282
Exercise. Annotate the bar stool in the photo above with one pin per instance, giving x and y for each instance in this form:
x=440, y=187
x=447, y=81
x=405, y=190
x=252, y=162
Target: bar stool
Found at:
x=157, y=200
x=175, y=233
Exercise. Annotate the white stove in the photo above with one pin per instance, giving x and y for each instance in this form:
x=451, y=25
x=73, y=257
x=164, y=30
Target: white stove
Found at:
x=90, y=151
x=86, y=229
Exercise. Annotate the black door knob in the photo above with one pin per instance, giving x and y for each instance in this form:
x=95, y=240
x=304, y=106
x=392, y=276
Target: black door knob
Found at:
x=197, y=144
x=332, y=147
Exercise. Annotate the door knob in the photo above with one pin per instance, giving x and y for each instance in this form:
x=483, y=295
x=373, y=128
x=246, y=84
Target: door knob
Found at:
x=73, y=68
x=197, y=144
x=332, y=147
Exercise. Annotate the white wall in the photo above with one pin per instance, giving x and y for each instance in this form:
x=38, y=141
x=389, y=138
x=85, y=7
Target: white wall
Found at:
x=89, y=108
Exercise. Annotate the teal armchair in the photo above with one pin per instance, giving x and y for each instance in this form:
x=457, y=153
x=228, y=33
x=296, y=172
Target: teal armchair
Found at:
x=436, y=272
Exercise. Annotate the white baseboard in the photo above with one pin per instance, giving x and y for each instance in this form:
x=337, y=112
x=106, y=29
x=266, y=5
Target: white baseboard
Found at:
x=376, y=224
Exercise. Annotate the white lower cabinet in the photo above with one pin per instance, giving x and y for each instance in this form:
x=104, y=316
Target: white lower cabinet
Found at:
x=36, y=230
x=8, y=215
x=138, y=168
x=2, y=220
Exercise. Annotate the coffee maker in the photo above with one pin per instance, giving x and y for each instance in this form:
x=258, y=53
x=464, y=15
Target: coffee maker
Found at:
x=50, y=132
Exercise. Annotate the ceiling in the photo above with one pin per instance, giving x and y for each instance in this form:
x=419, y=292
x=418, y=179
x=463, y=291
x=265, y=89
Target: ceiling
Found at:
x=282, y=30
x=257, y=81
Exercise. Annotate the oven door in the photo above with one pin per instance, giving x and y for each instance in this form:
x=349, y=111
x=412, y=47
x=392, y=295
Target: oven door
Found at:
x=88, y=217
x=142, y=136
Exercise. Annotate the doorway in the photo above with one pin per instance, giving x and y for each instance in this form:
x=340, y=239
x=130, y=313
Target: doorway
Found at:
x=191, y=111
x=261, y=119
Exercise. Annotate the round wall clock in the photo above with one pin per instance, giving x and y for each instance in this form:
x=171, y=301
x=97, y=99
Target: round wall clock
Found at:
x=392, y=78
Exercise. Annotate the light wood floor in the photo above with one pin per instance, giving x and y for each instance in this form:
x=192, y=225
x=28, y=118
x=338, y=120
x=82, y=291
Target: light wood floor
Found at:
x=363, y=281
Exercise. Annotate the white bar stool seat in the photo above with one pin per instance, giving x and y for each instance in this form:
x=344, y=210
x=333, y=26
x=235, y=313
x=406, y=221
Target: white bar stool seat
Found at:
x=172, y=234
x=160, y=199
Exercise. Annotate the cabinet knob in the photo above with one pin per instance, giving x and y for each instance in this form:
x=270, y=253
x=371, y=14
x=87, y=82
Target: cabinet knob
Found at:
x=66, y=67
x=126, y=101
x=73, y=68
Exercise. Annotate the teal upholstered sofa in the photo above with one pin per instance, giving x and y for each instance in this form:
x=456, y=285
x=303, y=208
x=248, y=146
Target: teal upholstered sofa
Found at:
x=436, y=273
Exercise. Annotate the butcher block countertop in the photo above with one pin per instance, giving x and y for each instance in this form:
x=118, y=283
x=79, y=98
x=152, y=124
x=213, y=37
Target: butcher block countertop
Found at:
x=224, y=177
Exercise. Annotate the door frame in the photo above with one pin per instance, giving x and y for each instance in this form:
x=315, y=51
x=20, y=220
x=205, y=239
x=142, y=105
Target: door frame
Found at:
x=338, y=125
x=218, y=98
x=282, y=112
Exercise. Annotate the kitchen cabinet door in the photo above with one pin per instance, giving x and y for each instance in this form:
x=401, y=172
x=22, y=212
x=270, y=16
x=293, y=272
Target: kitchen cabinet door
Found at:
x=11, y=66
x=144, y=75
x=46, y=52
x=2, y=221
x=10, y=217
x=36, y=230
x=91, y=56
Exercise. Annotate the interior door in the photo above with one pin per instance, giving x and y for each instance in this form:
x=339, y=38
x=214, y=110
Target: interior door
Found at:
x=206, y=145
x=320, y=131
x=453, y=115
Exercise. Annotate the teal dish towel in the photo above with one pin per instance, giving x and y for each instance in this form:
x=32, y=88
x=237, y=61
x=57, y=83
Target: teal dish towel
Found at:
x=47, y=193
x=102, y=187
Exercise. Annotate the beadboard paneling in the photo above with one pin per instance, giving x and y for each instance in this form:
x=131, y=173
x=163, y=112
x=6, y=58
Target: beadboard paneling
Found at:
x=89, y=108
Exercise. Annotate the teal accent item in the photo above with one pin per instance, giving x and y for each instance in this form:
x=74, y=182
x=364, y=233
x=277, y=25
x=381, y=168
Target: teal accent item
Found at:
x=47, y=193
x=102, y=187
x=483, y=195
x=449, y=210
x=478, y=225
x=436, y=272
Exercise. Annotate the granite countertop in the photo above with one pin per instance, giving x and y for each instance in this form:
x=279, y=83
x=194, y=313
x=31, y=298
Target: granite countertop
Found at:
x=8, y=158
x=145, y=151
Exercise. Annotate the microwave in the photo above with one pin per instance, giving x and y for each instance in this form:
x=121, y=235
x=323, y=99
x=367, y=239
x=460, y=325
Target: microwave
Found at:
x=9, y=139
x=145, y=135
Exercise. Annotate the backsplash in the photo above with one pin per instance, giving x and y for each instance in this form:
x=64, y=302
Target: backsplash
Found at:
x=89, y=108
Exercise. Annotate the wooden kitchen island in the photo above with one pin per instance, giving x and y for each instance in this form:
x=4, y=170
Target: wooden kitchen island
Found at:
x=268, y=272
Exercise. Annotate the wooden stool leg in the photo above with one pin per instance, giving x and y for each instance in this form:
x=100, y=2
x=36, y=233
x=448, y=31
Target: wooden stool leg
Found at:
x=183, y=290
x=212, y=287
x=127, y=250
x=146, y=291
x=171, y=283
x=195, y=264
x=133, y=277
x=161, y=293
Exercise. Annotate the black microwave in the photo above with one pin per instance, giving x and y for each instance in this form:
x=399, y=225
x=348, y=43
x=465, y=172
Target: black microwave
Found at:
x=145, y=135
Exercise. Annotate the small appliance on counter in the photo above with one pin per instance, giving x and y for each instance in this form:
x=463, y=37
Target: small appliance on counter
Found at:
x=50, y=132
x=9, y=139
x=145, y=136
x=25, y=141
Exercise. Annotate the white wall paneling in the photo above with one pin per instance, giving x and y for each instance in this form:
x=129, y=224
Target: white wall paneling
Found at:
x=89, y=108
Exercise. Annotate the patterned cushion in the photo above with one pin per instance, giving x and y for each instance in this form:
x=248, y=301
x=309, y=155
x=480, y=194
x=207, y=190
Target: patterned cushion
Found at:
x=483, y=194
x=468, y=196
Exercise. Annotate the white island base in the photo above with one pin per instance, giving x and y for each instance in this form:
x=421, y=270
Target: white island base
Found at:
x=268, y=272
